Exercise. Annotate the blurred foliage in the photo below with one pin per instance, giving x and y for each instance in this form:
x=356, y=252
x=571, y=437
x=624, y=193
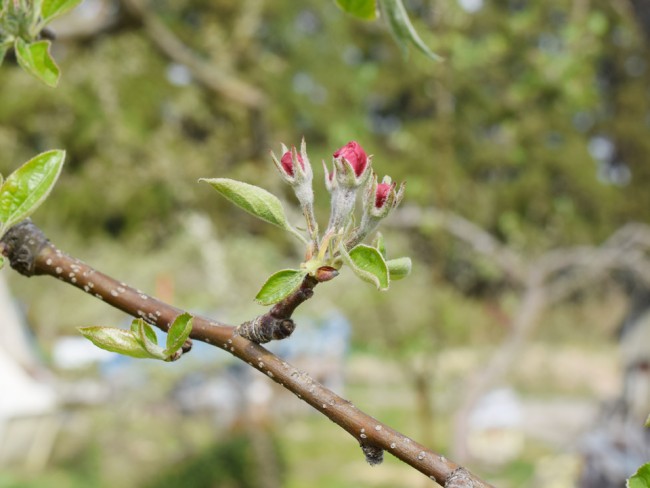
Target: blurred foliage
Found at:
x=500, y=132
x=230, y=463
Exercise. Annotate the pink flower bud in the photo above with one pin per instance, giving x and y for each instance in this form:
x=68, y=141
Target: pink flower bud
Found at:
x=382, y=192
x=287, y=161
x=354, y=154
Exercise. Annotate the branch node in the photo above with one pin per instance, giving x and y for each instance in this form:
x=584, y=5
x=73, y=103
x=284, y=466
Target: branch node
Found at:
x=459, y=478
x=22, y=244
x=266, y=328
x=374, y=455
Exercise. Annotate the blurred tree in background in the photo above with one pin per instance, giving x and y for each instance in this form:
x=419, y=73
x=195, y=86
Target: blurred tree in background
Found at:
x=534, y=127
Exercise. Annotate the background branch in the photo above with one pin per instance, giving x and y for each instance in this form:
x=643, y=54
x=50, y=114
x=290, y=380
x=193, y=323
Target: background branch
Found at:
x=510, y=262
x=546, y=280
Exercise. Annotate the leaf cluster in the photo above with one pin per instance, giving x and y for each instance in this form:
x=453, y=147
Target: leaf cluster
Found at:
x=21, y=24
x=396, y=18
x=140, y=341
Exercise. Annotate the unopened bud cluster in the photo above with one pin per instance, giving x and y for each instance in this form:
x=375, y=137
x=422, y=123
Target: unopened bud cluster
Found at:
x=351, y=174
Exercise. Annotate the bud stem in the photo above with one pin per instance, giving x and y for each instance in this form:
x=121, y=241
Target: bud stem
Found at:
x=312, y=225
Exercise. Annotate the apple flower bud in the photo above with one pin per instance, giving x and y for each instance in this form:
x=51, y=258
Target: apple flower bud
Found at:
x=352, y=165
x=294, y=166
x=379, y=200
x=354, y=154
x=351, y=168
x=287, y=161
x=381, y=193
x=295, y=169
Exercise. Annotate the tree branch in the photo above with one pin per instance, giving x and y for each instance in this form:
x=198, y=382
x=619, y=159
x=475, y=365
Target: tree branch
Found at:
x=30, y=253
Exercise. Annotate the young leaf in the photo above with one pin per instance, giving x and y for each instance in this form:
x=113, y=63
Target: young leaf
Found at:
x=280, y=285
x=400, y=26
x=146, y=336
x=363, y=9
x=253, y=199
x=399, y=268
x=368, y=264
x=35, y=59
x=178, y=333
x=26, y=188
x=115, y=340
x=54, y=8
x=640, y=479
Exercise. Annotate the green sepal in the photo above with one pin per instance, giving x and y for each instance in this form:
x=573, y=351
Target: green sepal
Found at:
x=362, y=9
x=2, y=261
x=640, y=479
x=368, y=264
x=26, y=188
x=35, y=58
x=399, y=268
x=178, y=334
x=115, y=340
x=51, y=9
x=280, y=285
x=403, y=31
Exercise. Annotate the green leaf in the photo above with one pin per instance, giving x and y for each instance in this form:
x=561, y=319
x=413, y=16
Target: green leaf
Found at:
x=54, y=8
x=2, y=262
x=399, y=268
x=26, y=188
x=146, y=336
x=403, y=31
x=363, y=9
x=280, y=285
x=35, y=59
x=115, y=340
x=368, y=264
x=178, y=333
x=253, y=199
x=640, y=479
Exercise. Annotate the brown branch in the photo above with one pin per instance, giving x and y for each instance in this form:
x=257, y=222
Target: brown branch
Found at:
x=276, y=324
x=30, y=253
